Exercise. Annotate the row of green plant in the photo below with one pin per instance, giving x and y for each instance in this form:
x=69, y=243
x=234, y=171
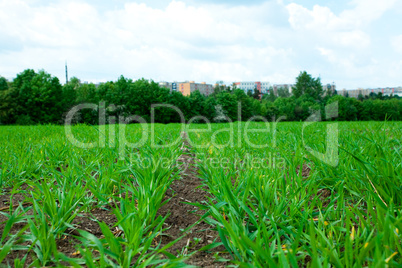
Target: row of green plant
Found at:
x=39, y=98
x=344, y=215
x=266, y=210
x=58, y=184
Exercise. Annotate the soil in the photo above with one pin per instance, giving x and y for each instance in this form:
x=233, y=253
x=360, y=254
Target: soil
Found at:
x=8, y=197
x=324, y=195
x=86, y=222
x=305, y=171
x=189, y=189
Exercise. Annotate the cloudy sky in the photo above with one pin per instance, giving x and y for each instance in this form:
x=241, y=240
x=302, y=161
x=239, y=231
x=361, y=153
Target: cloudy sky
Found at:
x=356, y=43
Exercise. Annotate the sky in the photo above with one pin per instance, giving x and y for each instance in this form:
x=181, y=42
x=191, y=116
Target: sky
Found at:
x=355, y=44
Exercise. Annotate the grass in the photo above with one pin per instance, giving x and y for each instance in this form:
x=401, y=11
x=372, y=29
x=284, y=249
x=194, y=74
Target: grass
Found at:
x=265, y=210
x=275, y=217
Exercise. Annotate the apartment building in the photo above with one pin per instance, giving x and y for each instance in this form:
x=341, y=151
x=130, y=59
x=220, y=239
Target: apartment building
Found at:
x=388, y=91
x=262, y=87
x=186, y=88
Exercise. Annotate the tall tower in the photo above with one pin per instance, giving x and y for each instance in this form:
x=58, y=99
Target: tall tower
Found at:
x=66, y=74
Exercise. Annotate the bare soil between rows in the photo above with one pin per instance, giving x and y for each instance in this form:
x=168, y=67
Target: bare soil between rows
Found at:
x=183, y=215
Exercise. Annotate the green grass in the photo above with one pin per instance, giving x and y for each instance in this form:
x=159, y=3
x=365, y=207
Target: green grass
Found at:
x=272, y=216
x=265, y=211
x=60, y=181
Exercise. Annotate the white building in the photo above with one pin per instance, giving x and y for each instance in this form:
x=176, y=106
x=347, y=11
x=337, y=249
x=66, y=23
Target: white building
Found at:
x=386, y=91
x=262, y=87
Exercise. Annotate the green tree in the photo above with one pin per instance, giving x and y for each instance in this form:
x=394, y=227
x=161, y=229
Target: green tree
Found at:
x=5, y=101
x=385, y=109
x=229, y=104
x=283, y=92
x=367, y=108
x=70, y=93
x=305, y=106
x=271, y=110
x=256, y=94
x=86, y=93
x=197, y=103
x=270, y=96
x=306, y=84
x=46, y=104
x=20, y=96
x=3, y=84
x=218, y=88
x=37, y=98
x=256, y=107
x=183, y=104
x=380, y=96
x=209, y=108
x=286, y=107
x=22, y=78
x=245, y=101
x=347, y=108
x=372, y=96
x=263, y=110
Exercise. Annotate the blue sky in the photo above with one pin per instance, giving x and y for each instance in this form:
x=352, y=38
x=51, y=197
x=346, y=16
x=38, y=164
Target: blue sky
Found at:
x=355, y=43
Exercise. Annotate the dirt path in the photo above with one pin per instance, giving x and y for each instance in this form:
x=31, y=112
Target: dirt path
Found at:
x=188, y=189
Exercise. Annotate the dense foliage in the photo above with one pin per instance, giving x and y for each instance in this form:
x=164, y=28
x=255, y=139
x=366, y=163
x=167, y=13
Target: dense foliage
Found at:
x=39, y=98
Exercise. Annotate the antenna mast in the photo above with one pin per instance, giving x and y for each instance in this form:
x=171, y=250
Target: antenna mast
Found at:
x=66, y=74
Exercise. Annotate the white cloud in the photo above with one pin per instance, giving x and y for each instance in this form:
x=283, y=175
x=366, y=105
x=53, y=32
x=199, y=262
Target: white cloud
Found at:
x=316, y=19
x=325, y=27
x=367, y=11
x=178, y=42
x=204, y=42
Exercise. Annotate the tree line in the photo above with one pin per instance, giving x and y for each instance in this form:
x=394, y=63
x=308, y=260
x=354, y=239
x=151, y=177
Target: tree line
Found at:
x=39, y=98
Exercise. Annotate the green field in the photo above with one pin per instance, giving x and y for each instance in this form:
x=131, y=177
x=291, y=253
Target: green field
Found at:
x=318, y=195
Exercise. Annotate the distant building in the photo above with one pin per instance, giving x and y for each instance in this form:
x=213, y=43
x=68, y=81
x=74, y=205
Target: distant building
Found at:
x=329, y=88
x=172, y=86
x=221, y=85
x=262, y=87
x=289, y=87
x=388, y=91
x=186, y=88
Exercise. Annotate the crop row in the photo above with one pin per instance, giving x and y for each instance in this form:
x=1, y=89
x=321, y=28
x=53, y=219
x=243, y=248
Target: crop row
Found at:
x=306, y=211
x=65, y=205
